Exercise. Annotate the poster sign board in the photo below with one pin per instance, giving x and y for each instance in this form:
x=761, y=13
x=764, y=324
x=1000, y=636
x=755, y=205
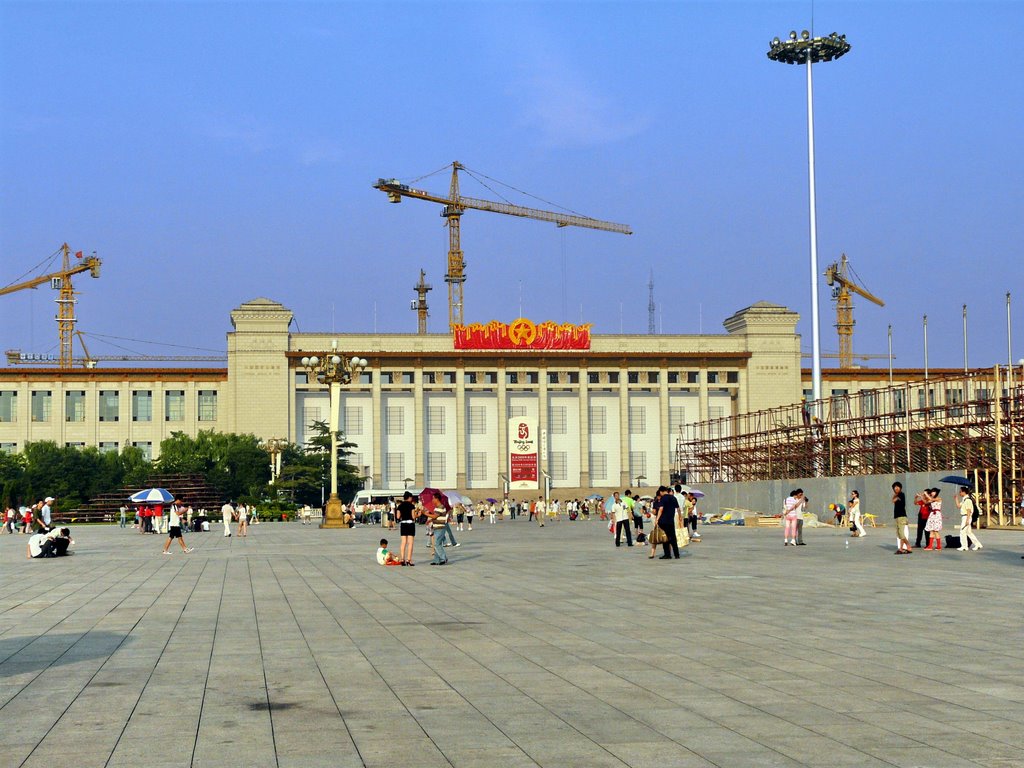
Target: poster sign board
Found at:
x=523, y=457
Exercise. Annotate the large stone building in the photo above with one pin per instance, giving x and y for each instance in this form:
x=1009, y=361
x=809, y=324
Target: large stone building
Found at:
x=426, y=413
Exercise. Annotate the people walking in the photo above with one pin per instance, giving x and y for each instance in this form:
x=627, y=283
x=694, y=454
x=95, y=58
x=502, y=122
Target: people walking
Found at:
x=437, y=519
x=622, y=521
x=934, y=524
x=899, y=515
x=174, y=527
x=855, y=514
x=967, y=509
x=666, y=509
x=243, y=520
x=226, y=513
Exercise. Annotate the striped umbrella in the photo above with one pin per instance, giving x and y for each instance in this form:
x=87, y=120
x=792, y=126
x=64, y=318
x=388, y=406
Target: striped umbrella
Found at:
x=152, y=496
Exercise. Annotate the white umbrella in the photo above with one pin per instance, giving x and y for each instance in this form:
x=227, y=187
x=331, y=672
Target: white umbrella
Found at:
x=152, y=496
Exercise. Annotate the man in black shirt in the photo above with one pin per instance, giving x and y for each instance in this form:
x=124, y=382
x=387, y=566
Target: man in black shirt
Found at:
x=899, y=513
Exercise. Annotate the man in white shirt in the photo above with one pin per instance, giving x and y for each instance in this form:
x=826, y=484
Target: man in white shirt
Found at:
x=622, y=516
x=174, y=527
x=225, y=513
x=45, y=513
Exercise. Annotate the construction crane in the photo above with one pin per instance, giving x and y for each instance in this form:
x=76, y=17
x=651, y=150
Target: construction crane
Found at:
x=61, y=281
x=837, y=276
x=17, y=357
x=420, y=304
x=455, y=205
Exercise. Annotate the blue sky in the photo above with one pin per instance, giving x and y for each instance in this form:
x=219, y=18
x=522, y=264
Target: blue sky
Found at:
x=212, y=153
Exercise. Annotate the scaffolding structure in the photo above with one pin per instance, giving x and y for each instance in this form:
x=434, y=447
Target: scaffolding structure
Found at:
x=970, y=422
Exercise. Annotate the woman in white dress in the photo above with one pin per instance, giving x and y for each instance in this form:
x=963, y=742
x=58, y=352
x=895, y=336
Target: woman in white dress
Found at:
x=243, y=520
x=854, y=511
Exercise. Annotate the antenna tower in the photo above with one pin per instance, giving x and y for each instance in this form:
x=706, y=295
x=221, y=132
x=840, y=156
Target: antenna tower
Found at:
x=650, y=306
x=420, y=305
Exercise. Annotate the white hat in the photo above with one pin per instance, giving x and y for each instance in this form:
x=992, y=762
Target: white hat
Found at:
x=48, y=499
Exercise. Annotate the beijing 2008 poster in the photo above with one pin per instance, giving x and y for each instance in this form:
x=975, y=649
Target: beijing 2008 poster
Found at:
x=523, y=456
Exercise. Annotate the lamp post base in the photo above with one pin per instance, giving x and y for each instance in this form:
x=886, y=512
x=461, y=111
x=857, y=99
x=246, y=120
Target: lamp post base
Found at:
x=334, y=517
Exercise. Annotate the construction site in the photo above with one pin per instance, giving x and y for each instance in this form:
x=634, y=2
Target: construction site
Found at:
x=972, y=422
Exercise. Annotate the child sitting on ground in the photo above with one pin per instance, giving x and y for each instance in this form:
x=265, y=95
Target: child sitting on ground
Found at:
x=384, y=556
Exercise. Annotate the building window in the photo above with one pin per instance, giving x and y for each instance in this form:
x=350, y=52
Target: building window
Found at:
x=356, y=460
x=476, y=470
x=395, y=418
x=469, y=377
x=673, y=377
x=8, y=405
x=301, y=378
x=366, y=377
x=676, y=418
x=732, y=377
x=436, y=471
x=435, y=420
x=637, y=420
x=633, y=377
x=491, y=377
x=353, y=421
x=598, y=420
x=637, y=464
x=552, y=377
x=74, y=405
x=74, y=445
x=387, y=377
x=511, y=378
x=449, y=377
x=477, y=423
x=408, y=377
x=693, y=377
x=652, y=377
x=559, y=466
x=712, y=377
x=174, y=405
x=146, y=447
x=395, y=463
x=108, y=447
x=516, y=411
x=574, y=378
x=613, y=377
x=532, y=377
x=870, y=404
x=598, y=465
x=556, y=424
x=429, y=377
x=109, y=405
x=207, y=405
x=142, y=405
x=593, y=377
x=8, y=447
x=41, y=404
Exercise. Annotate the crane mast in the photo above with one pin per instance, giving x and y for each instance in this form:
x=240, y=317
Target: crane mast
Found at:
x=61, y=280
x=420, y=305
x=837, y=275
x=455, y=205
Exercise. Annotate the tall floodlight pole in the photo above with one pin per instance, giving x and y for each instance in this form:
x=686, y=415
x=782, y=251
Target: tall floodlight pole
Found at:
x=808, y=50
x=965, y=338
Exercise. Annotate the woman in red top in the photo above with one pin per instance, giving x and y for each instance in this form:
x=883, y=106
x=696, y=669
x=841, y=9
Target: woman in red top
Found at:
x=924, y=508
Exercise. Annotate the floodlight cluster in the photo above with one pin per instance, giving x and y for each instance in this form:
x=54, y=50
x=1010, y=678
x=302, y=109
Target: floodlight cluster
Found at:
x=804, y=49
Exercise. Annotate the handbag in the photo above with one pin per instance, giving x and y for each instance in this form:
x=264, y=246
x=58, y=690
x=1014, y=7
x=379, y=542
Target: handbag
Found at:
x=657, y=536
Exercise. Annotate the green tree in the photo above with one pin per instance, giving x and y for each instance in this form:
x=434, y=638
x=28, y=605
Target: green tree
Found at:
x=233, y=464
x=306, y=471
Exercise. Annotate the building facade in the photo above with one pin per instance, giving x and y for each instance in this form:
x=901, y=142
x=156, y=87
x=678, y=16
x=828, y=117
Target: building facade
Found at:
x=424, y=413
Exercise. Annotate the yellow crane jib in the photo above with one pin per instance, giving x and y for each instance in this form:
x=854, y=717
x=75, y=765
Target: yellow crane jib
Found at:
x=454, y=205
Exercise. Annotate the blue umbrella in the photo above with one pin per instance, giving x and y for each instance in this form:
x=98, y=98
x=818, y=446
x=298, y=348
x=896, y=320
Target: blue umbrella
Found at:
x=152, y=496
x=957, y=480
x=595, y=496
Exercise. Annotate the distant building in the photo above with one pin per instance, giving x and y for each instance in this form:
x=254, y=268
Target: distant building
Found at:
x=429, y=412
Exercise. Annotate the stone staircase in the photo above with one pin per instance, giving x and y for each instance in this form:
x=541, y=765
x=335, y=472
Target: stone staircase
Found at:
x=192, y=489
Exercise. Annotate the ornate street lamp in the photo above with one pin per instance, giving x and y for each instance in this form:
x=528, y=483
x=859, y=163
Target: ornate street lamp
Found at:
x=808, y=50
x=334, y=370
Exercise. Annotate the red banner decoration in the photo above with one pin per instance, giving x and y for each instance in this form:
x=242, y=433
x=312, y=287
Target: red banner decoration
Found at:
x=522, y=334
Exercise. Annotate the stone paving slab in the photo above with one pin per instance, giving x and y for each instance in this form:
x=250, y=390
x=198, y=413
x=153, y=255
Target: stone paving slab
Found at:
x=532, y=647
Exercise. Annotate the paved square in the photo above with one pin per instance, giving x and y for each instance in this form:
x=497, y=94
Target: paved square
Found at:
x=534, y=646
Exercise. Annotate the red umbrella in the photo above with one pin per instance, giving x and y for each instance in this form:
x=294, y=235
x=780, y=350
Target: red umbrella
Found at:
x=431, y=497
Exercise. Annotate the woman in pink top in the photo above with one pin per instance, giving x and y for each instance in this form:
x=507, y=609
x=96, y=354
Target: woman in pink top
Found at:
x=791, y=513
